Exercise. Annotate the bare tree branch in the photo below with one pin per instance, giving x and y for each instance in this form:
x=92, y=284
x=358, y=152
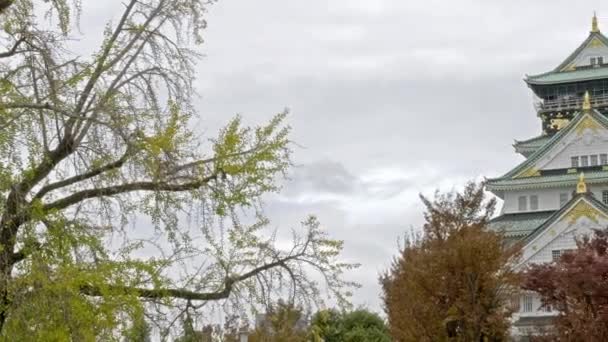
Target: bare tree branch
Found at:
x=13, y=50
x=186, y=294
x=80, y=196
x=88, y=175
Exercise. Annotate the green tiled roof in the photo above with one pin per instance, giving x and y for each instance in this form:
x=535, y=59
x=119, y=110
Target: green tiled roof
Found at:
x=538, y=140
x=540, y=182
x=519, y=224
x=569, y=76
x=529, y=146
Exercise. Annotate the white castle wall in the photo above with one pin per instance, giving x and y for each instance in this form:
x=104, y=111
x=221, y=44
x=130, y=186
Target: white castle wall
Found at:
x=589, y=142
x=548, y=199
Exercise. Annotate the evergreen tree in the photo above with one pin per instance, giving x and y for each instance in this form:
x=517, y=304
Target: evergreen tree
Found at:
x=354, y=326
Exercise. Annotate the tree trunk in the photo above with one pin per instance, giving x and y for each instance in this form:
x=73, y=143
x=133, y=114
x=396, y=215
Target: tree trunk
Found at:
x=6, y=267
x=4, y=4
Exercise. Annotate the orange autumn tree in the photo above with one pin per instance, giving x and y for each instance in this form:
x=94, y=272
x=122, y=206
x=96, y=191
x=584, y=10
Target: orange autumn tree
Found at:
x=452, y=281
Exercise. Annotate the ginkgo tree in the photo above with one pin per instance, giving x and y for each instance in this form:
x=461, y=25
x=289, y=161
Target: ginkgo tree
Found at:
x=98, y=150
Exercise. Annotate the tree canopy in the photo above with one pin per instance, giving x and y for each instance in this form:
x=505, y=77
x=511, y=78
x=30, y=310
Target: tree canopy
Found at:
x=282, y=322
x=115, y=212
x=350, y=326
x=453, y=281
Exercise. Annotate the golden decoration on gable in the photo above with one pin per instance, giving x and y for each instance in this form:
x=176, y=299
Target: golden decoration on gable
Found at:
x=594, y=26
x=587, y=123
x=569, y=67
x=581, y=187
x=596, y=43
x=530, y=172
x=558, y=124
x=583, y=209
x=587, y=101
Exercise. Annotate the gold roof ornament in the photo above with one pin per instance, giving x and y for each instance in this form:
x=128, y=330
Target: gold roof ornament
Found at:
x=587, y=101
x=581, y=187
x=594, y=25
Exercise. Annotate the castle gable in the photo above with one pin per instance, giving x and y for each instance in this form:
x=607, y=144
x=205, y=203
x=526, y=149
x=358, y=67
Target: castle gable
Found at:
x=584, y=138
x=587, y=143
x=595, y=46
x=558, y=234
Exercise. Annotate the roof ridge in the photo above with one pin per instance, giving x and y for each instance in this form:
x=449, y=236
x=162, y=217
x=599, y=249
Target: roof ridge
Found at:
x=530, y=140
x=580, y=74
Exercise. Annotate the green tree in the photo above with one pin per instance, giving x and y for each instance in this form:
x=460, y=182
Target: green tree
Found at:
x=89, y=145
x=453, y=282
x=283, y=322
x=354, y=326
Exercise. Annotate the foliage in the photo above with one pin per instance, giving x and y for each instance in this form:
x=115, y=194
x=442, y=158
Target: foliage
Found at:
x=115, y=215
x=283, y=322
x=576, y=286
x=452, y=282
x=355, y=326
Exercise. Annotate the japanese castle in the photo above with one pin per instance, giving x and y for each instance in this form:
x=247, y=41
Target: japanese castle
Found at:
x=560, y=190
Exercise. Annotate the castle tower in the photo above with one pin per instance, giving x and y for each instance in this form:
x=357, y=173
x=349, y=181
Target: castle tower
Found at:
x=560, y=91
x=560, y=191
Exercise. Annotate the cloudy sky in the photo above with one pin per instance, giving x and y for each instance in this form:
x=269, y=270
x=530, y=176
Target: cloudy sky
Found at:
x=388, y=99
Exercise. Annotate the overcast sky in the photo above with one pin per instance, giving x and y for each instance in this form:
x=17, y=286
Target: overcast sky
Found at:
x=388, y=98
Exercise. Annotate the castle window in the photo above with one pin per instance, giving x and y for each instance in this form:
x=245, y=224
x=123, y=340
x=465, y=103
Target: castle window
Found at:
x=574, y=161
x=584, y=161
x=603, y=159
x=527, y=305
x=593, y=160
x=563, y=199
x=555, y=254
x=605, y=196
x=522, y=203
x=533, y=202
x=515, y=303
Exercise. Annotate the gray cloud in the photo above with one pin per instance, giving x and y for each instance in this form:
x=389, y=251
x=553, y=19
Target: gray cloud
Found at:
x=323, y=176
